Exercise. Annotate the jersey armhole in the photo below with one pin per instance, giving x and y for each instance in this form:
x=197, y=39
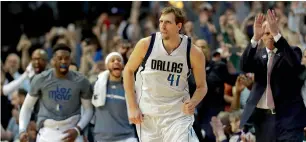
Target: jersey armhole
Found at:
x=149, y=51
x=188, y=53
x=144, y=61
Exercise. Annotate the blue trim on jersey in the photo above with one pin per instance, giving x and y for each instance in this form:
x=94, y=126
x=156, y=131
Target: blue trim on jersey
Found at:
x=148, y=52
x=147, y=55
x=188, y=52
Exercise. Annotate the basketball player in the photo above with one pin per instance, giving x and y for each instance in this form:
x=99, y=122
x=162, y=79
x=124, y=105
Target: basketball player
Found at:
x=163, y=110
x=60, y=93
x=111, y=119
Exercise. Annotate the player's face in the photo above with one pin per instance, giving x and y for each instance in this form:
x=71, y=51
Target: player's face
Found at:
x=62, y=61
x=168, y=26
x=39, y=64
x=115, y=66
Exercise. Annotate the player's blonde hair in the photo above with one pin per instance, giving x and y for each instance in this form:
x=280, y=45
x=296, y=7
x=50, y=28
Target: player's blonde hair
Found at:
x=178, y=13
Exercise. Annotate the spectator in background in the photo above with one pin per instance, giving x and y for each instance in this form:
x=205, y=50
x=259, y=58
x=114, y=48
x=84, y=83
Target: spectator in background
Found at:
x=235, y=134
x=38, y=64
x=203, y=28
x=18, y=98
x=39, y=57
x=296, y=18
x=91, y=54
x=39, y=60
x=95, y=71
x=241, y=91
x=6, y=106
x=11, y=133
x=123, y=47
x=15, y=84
x=11, y=66
x=213, y=103
x=188, y=30
x=60, y=35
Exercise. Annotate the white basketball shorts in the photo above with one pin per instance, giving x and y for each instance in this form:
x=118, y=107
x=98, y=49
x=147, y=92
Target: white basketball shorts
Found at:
x=167, y=129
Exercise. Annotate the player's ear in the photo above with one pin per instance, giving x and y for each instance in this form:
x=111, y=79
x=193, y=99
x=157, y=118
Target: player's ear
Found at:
x=179, y=26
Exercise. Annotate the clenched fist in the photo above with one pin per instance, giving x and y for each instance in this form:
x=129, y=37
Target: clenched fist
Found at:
x=189, y=107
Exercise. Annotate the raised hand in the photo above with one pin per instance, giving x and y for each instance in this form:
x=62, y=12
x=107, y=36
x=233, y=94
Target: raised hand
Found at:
x=258, y=29
x=272, y=21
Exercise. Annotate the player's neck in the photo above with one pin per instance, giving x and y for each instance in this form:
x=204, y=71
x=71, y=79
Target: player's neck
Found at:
x=115, y=79
x=172, y=43
x=59, y=75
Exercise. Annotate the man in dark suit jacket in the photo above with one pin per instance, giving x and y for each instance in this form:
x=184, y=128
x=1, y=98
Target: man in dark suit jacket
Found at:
x=275, y=106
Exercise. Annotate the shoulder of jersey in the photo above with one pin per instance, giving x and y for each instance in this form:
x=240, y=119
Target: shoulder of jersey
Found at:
x=44, y=73
x=77, y=75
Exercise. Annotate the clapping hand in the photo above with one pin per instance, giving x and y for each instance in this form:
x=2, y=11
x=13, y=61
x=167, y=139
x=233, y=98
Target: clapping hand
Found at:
x=258, y=29
x=272, y=21
x=30, y=70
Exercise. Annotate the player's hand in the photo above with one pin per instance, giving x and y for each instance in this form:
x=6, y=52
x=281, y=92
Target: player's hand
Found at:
x=135, y=116
x=72, y=134
x=24, y=137
x=188, y=107
x=258, y=29
x=272, y=21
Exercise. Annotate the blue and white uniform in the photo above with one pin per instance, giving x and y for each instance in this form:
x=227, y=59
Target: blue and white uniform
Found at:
x=162, y=87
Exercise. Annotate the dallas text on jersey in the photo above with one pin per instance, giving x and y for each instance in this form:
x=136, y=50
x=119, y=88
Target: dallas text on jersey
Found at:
x=166, y=66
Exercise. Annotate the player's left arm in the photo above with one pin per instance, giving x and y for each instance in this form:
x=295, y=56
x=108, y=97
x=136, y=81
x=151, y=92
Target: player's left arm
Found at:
x=197, y=61
x=86, y=103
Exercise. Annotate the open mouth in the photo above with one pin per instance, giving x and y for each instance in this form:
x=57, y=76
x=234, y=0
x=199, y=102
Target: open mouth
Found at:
x=117, y=69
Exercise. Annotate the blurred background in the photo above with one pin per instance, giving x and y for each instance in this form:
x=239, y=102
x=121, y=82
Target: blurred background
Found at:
x=93, y=29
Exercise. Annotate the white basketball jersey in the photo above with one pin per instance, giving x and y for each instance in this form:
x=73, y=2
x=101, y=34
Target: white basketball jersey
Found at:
x=161, y=83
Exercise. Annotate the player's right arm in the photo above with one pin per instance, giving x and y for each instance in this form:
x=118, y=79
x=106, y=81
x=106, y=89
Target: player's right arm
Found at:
x=132, y=65
x=27, y=107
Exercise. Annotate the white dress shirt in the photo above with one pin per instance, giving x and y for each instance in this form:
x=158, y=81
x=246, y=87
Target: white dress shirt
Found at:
x=263, y=102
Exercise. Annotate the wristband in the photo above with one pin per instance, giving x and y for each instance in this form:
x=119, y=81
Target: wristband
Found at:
x=78, y=131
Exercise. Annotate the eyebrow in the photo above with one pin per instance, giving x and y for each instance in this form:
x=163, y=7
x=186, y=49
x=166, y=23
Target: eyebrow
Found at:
x=165, y=20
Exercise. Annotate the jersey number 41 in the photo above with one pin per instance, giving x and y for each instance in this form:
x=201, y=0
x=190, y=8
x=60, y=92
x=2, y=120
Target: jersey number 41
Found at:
x=171, y=79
